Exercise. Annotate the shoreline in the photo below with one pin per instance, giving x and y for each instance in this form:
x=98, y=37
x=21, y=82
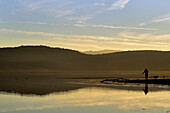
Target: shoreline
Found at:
x=48, y=86
x=158, y=81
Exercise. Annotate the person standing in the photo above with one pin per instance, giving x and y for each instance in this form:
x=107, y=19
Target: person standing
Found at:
x=146, y=73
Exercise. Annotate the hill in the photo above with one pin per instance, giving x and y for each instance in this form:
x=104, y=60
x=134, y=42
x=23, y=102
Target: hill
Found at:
x=106, y=51
x=42, y=58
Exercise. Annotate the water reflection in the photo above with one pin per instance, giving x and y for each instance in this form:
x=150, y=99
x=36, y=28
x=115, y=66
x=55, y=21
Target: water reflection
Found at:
x=91, y=100
x=146, y=90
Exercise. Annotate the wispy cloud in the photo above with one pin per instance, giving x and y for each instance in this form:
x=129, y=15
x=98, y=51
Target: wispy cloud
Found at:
x=162, y=18
x=119, y=4
x=39, y=23
x=99, y=4
x=58, y=35
x=68, y=9
x=124, y=40
x=79, y=20
x=48, y=7
x=159, y=19
x=62, y=13
x=32, y=6
x=115, y=27
x=141, y=24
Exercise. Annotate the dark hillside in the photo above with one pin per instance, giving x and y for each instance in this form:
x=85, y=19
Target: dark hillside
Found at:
x=41, y=58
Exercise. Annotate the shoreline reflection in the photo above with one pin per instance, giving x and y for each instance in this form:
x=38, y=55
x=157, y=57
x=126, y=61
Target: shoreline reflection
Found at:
x=146, y=90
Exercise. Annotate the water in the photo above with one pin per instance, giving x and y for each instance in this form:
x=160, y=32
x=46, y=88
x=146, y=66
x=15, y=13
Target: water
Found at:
x=88, y=100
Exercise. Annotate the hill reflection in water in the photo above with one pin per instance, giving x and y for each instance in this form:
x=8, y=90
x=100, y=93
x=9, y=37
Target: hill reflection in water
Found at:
x=91, y=100
x=46, y=86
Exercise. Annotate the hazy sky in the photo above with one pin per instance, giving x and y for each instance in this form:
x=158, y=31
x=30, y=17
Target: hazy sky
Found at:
x=86, y=24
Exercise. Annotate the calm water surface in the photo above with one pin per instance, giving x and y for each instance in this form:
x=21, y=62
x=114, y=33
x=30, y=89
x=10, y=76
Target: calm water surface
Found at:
x=88, y=100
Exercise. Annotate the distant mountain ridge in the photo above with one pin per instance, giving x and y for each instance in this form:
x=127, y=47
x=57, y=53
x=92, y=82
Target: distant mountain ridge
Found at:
x=28, y=58
x=105, y=51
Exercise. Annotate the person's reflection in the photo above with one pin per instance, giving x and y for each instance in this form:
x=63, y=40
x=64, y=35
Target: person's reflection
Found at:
x=146, y=89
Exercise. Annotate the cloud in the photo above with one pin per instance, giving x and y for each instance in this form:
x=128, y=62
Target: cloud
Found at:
x=99, y=4
x=115, y=27
x=32, y=6
x=62, y=13
x=57, y=35
x=162, y=18
x=39, y=23
x=48, y=7
x=141, y=24
x=67, y=9
x=122, y=36
x=123, y=40
x=119, y=4
x=80, y=20
x=76, y=43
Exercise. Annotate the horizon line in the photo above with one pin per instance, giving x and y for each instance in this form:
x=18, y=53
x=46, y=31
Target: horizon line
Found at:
x=117, y=50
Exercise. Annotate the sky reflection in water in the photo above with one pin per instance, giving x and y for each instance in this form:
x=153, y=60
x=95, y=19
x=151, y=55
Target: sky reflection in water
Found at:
x=91, y=100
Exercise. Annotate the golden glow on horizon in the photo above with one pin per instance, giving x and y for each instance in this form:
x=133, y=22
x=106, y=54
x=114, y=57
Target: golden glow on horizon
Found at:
x=124, y=41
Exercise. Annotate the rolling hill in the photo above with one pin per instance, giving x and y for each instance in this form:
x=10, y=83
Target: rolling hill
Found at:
x=41, y=58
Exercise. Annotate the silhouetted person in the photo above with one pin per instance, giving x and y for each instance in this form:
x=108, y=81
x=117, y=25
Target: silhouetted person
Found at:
x=146, y=73
x=146, y=89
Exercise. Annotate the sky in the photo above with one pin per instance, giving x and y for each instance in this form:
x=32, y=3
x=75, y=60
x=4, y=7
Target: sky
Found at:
x=86, y=24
